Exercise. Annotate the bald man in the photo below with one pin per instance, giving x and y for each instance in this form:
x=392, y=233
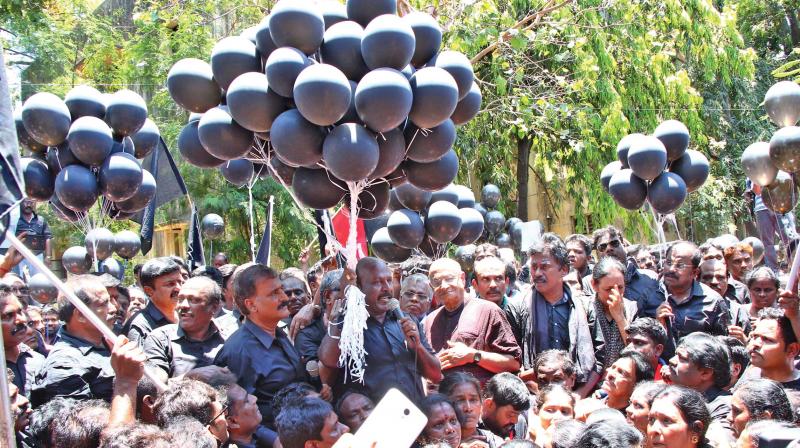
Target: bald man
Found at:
x=467, y=334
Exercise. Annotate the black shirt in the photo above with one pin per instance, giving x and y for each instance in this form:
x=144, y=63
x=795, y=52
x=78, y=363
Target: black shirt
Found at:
x=37, y=227
x=170, y=350
x=28, y=364
x=144, y=322
x=703, y=311
x=309, y=339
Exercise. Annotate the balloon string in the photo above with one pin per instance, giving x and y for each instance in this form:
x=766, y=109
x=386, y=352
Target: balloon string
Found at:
x=250, y=214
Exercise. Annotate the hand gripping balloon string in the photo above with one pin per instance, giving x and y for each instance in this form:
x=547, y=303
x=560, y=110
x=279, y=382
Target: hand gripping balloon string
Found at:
x=352, y=356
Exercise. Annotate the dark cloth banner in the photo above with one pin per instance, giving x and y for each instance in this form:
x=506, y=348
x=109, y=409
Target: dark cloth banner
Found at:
x=195, y=256
x=264, y=247
x=11, y=183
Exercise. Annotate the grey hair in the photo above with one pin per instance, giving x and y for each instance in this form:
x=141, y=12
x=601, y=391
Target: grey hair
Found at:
x=331, y=280
x=417, y=278
x=605, y=266
x=213, y=292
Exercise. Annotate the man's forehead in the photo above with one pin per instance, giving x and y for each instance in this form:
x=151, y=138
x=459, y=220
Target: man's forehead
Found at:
x=713, y=268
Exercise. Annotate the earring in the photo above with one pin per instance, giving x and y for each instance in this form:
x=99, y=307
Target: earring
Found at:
x=694, y=439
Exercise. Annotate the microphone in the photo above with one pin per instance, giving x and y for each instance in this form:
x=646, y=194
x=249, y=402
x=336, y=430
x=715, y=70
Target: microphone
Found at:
x=394, y=307
x=312, y=367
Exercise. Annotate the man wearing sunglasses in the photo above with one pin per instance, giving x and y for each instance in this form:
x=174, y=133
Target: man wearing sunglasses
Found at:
x=641, y=285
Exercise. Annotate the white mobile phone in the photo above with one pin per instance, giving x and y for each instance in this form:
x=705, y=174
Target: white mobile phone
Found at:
x=394, y=423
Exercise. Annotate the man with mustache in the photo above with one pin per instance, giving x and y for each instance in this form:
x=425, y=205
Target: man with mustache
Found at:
x=471, y=335
x=416, y=295
x=23, y=361
x=557, y=320
x=641, y=285
x=194, y=341
x=296, y=289
x=773, y=348
x=397, y=352
x=161, y=280
x=260, y=354
x=714, y=274
x=37, y=233
x=491, y=283
x=690, y=306
x=78, y=365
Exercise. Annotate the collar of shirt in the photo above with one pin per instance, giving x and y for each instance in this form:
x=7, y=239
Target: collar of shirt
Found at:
x=81, y=344
x=178, y=333
x=152, y=310
x=714, y=392
x=455, y=311
x=34, y=218
x=697, y=291
x=263, y=337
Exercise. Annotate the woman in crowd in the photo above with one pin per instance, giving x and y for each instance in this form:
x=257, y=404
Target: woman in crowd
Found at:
x=464, y=391
x=678, y=417
x=763, y=285
x=443, y=425
x=758, y=399
x=639, y=408
x=553, y=403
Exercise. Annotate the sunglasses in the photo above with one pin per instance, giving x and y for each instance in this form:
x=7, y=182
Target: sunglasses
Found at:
x=613, y=243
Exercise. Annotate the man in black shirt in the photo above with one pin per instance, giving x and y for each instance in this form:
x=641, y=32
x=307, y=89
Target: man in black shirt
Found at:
x=37, y=237
x=773, y=348
x=490, y=283
x=310, y=337
x=22, y=360
x=161, y=280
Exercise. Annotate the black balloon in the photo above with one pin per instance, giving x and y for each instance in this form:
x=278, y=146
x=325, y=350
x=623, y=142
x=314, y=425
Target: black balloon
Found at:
x=495, y=222
x=127, y=244
x=363, y=11
x=46, y=118
x=24, y=138
x=238, y=172
x=252, y=103
x=435, y=175
x=385, y=249
x=442, y=222
x=222, y=137
x=490, y=195
x=39, y=182
x=140, y=199
x=85, y=101
x=146, y=140
x=41, y=289
x=383, y=99
x=693, y=169
x=435, y=97
x=231, y=57
x=351, y=152
x=466, y=198
x=61, y=210
x=412, y=197
x=212, y=226
x=471, y=226
x=284, y=172
x=282, y=68
x=373, y=200
x=427, y=35
x=296, y=140
x=126, y=112
x=392, y=147
x=394, y=203
x=675, y=137
x=388, y=42
x=264, y=42
x=624, y=146
x=428, y=145
x=448, y=193
x=296, y=24
x=503, y=241
x=465, y=256
x=192, y=86
x=317, y=188
x=99, y=243
x=647, y=157
x=120, y=177
x=469, y=106
x=666, y=193
x=627, y=189
x=406, y=228
x=192, y=150
x=459, y=67
x=608, y=171
x=481, y=209
x=342, y=49
x=322, y=94
x=397, y=177
x=112, y=267
x=76, y=188
x=90, y=140
x=60, y=156
x=510, y=223
x=76, y=260
x=333, y=12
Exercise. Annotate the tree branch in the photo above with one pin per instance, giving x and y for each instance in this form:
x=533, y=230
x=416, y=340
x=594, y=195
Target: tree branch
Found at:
x=528, y=22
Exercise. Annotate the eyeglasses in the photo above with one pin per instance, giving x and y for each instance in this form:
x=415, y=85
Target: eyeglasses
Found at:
x=678, y=266
x=613, y=243
x=223, y=412
x=408, y=295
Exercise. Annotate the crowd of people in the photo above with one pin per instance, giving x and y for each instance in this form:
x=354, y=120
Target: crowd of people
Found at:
x=583, y=342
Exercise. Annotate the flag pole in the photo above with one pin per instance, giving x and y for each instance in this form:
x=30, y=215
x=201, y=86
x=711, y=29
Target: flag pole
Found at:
x=99, y=324
x=269, y=248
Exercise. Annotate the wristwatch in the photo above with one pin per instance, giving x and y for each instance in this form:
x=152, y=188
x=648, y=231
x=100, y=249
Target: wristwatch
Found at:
x=476, y=358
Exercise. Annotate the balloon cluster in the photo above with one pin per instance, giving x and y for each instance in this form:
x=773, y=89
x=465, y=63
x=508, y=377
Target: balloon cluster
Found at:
x=655, y=168
x=770, y=165
x=323, y=96
x=86, y=147
x=100, y=244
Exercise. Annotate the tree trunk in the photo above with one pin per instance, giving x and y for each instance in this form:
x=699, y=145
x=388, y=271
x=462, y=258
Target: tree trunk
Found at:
x=523, y=159
x=794, y=29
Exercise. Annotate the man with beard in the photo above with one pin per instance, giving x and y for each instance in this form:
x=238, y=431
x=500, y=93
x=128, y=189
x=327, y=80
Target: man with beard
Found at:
x=78, y=365
x=296, y=289
x=397, y=351
x=470, y=335
x=506, y=400
x=641, y=285
x=260, y=354
x=773, y=348
x=491, y=283
x=691, y=306
x=579, y=251
x=20, y=359
x=161, y=280
x=37, y=236
x=194, y=341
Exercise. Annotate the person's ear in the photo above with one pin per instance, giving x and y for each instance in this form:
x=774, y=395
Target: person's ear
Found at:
x=696, y=427
x=474, y=282
x=148, y=290
x=488, y=405
x=149, y=401
x=707, y=374
x=659, y=349
x=793, y=349
x=249, y=304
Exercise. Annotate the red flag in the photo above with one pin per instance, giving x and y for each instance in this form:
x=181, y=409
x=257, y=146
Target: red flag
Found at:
x=341, y=228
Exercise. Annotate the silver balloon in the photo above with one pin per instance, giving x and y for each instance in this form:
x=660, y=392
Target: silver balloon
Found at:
x=41, y=289
x=781, y=195
x=490, y=195
x=76, y=260
x=758, y=248
x=99, y=243
x=784, y=149
x=758, y=165
x=213, y=226
x=495, y=221
x=782, y=102
x=111, y=266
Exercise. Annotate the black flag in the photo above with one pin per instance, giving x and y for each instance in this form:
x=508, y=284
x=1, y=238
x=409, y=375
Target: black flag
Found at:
x=11, y=183
x=195, y=256
x=264, y=247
